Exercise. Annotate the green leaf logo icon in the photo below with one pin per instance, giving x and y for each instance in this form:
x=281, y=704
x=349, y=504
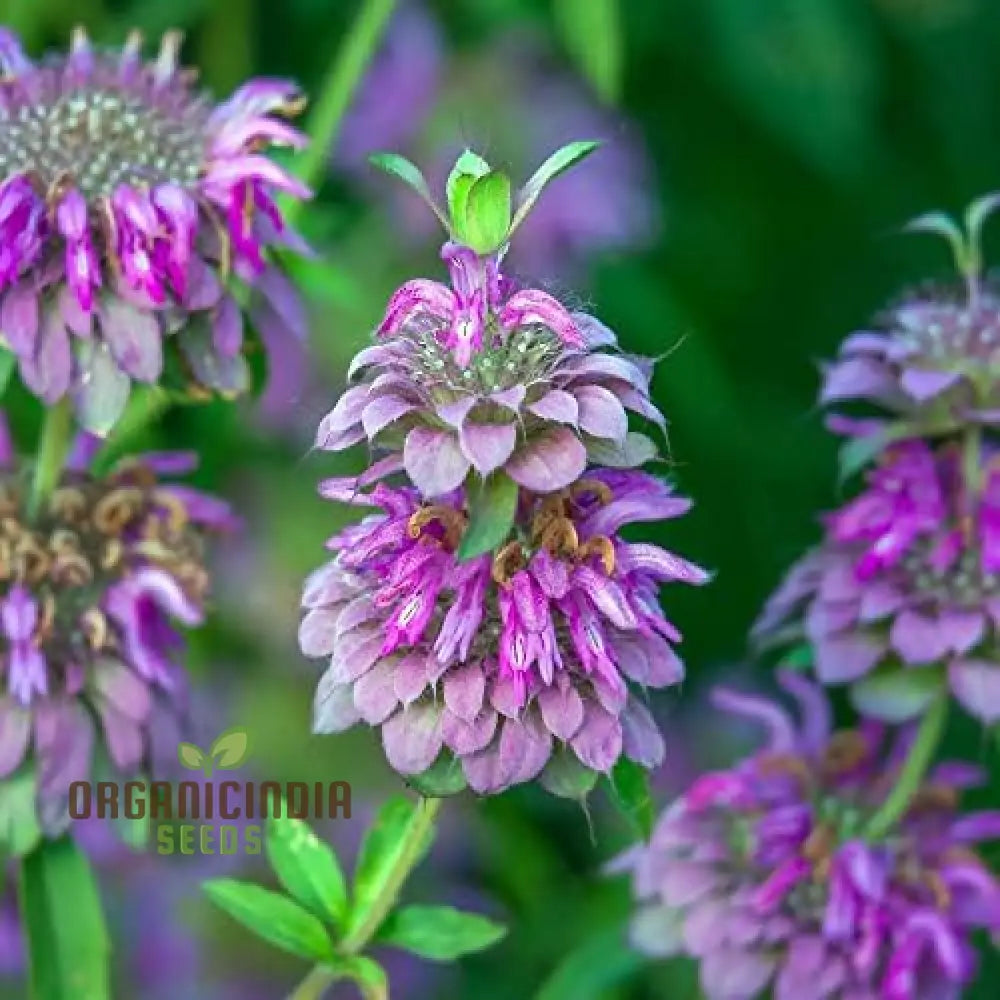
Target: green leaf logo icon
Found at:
x=191, y=756
x=227, y=753
x=230, y=749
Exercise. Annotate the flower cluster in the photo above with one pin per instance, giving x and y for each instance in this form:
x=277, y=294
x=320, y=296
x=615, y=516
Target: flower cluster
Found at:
x=499, y=660
x=93, y=587
x=490, y=619
x=482, y=376
x=935, y=358
x=771, y=876
x=908, y=576
x=128, y=203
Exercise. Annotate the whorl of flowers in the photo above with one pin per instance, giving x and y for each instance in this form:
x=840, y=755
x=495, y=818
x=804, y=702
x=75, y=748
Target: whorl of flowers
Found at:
x=128, y=203
x=509, y=660
x=934, y=357
x=478, y=377
x=773, y=878
x=92, y=589
x=907, y=577
x=482, y=377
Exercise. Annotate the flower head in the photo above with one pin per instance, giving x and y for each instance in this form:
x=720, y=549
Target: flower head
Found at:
x=126, y=203
x=767, y=875
x=479, y=376
x=508, y=661
x=91, y=593
x=934, y=358
x=908, y=576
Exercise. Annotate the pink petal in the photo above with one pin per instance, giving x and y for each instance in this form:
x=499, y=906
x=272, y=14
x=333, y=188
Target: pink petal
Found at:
x=550, y=462
x=434, y=461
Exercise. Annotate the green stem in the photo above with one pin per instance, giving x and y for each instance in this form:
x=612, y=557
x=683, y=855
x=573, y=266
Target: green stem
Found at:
x=342, y=80
x=321, y=977
x=914, y=768
x=53, y=446
x=319, y=980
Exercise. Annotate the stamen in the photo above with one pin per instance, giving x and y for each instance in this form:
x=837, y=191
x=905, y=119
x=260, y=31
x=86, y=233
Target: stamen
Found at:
x=601, y=490
x=601, y=546
x=451, y=520
x=507, y=562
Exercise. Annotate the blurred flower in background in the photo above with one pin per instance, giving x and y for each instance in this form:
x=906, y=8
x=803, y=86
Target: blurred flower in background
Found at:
x=517, y=100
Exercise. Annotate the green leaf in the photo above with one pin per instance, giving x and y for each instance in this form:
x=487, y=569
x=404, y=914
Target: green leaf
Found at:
x=68, y=946
x=491, y=516
x=439, y=933
x=19, y=826
x=896, y=693
x=801, y=657
x=566, y=777
x=486, y=220
x=637, y=449
x=231, y=748
x=857, y=452
x=629, y=784
x=590, y=971
x=409, y=173
x=384, y=844
x=562, y=159
x=192, y=757
x=443, y=778
x=469, y=167
x=8, y=364
x=271, y=916
x=592, y=33
x=307, y=868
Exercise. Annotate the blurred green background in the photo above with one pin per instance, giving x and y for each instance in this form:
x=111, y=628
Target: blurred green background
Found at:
x=743, y=218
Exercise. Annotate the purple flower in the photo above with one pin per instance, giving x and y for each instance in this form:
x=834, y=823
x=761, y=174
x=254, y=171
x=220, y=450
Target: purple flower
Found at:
x=93, y=591
x=126, y=203
x=932, y=360
x=477, y=376
x=766, y=875
x=516, y=664
x=904, y=587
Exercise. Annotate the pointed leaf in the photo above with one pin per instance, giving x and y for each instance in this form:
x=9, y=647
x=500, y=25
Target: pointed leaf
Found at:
x=491, y=516
x=68, y=946
x=486, y=220
x=897, y=694
x=566, y=777
x=231, y=748
x=443, y=778
x=630, y=792
x=272, y=917
x=307, y=868
x=190, y=756
x=439, y=933
x=381, y=850
x=562, y=159
x=409, y=173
